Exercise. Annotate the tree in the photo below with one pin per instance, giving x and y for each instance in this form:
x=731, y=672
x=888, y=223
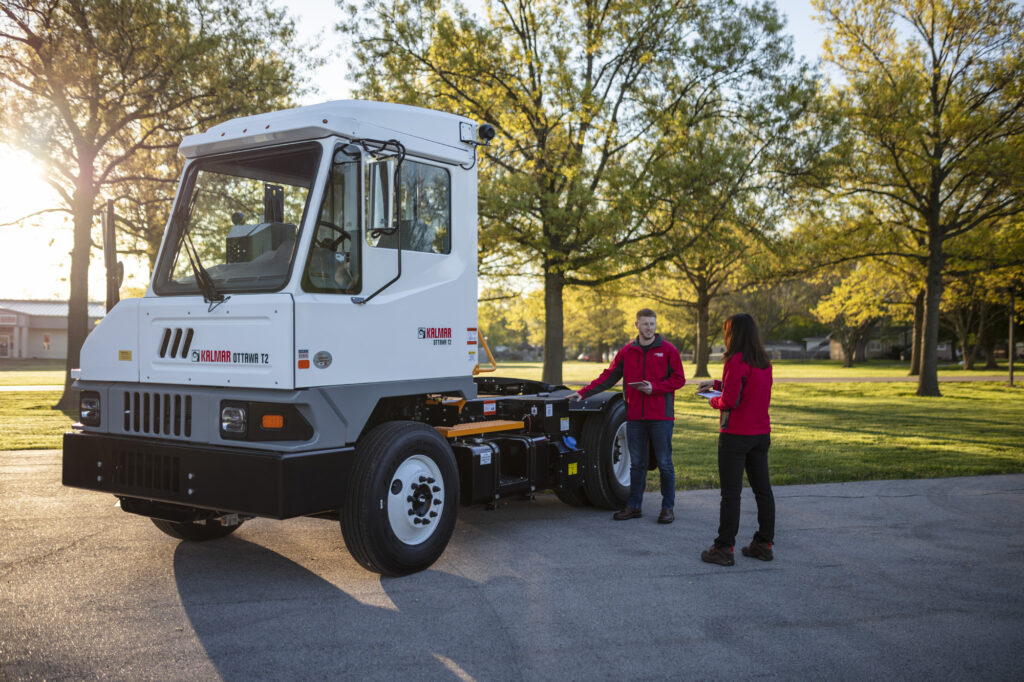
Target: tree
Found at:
x=855, y=306
x=934, y=92
x=782, y=308
x=506, y=318
x=598, y=320
x=581, y=94
x=730, y=184
x=981, y=264
x=100, y=90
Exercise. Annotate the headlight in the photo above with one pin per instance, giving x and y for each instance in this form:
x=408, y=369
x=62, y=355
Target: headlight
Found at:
x=232, y=421
x=89, y=408
x=269, y=421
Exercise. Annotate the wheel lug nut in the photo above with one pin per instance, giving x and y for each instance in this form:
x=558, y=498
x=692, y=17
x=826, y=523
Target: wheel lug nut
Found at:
x=411, y=512
x=426, y=522
x=433, y=514
x=430, y=480
x=423, y=479
x=436, y=489
x=409, y=499
x=437, y=502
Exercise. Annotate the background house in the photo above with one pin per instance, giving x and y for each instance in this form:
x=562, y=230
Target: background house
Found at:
x=38, y=329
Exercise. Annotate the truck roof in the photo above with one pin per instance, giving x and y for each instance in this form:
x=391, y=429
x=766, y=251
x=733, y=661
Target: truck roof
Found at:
x=424, y=132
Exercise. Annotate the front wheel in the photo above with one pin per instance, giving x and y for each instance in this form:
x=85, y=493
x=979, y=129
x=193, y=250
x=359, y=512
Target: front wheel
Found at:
x=400, y=508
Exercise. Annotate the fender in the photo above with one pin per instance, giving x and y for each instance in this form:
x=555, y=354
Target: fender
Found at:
x=599, y=402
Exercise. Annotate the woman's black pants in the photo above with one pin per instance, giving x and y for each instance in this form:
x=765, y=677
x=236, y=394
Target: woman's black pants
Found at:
x=736, y=453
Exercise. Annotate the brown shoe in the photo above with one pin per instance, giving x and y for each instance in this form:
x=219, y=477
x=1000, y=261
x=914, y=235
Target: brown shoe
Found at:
x=627, y=513
x=759, y=550
x=666, y=516
x=718, y=555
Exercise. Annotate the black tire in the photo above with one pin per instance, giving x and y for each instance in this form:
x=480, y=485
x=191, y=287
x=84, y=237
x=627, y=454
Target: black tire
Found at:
x=606, y=457
x=195, y=532
x=400, y=507
x=577, y=497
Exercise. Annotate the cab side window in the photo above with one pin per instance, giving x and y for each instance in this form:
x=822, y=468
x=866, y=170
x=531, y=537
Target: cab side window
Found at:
x=424, y=211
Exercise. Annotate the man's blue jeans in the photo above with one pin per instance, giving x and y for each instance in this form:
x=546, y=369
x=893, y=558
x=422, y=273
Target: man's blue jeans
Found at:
x=640, y=435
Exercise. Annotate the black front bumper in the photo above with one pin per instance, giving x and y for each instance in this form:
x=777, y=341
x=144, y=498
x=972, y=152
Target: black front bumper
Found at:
x=250, y=482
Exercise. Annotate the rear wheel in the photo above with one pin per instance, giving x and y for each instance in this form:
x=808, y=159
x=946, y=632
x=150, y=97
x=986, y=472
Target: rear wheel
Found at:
x=195, y=532
x=400, y=508
x=606, y=458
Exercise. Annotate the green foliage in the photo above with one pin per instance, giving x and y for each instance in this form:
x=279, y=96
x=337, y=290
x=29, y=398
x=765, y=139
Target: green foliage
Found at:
x=589, y=100
x=101, y=92
x=597, y=320
x=934, y=100
x=508, y=318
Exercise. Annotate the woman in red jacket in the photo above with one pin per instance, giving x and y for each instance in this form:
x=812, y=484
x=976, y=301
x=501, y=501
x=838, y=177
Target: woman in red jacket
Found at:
x=743, y=440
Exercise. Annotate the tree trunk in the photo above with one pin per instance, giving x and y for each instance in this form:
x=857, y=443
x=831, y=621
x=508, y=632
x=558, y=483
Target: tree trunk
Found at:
x=990, y=352
x=916, y=341
x=702, y=352
x=861, y=349
x=848, y=342
x=928, y=381
x=78, y=302
x=961, y=324
x=979, y=336
x=554, y=284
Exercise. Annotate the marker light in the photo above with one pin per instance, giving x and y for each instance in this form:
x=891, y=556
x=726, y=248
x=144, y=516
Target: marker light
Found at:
x=272, y=422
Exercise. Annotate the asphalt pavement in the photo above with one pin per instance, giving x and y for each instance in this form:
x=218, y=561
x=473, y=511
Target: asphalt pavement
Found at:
x=920, y=579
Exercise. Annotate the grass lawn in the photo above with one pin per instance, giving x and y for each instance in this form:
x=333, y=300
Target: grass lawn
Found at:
x=28, y=422
x=820, y=433
x=31, y=372
x=866, y=431
x=575, y=373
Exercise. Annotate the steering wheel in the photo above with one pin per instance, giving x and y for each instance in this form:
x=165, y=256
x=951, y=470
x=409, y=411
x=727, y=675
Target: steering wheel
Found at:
x=332, y=244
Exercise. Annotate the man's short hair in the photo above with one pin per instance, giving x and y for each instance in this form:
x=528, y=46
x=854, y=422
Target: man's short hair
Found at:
x=646, y=312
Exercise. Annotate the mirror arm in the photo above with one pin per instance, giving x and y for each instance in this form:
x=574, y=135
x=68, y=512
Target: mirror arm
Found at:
x=362, y=301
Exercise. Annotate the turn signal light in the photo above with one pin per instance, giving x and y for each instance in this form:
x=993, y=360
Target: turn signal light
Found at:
x=272, y=422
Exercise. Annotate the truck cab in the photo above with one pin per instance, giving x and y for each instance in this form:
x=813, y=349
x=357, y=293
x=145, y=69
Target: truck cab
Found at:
x=308, y=345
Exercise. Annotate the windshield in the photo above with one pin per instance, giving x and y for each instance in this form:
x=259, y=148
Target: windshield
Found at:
x=238, y=216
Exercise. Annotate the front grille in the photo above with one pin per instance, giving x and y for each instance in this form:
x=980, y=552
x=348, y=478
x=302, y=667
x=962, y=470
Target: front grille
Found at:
x=176, y=342
x=161, y=414
x=147, y=471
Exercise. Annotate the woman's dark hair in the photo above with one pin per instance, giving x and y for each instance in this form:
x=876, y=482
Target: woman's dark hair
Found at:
x=741, y=336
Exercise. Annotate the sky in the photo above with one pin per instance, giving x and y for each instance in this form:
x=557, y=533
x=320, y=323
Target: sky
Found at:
x=34, y=257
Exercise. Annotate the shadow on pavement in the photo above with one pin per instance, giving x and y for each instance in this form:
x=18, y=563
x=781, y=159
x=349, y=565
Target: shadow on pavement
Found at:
x=256, y=611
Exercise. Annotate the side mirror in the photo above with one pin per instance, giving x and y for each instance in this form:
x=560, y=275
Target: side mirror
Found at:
x=381, y=180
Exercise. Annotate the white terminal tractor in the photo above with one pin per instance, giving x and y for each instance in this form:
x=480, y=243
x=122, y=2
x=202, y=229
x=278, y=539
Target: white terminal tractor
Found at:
x=308, y=345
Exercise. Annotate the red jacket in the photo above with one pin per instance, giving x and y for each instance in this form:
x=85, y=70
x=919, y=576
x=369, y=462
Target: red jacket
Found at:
x=658, y=363
x=746, y=394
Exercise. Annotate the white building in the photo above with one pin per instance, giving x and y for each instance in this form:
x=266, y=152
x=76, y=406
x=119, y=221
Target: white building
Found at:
x=38, y=329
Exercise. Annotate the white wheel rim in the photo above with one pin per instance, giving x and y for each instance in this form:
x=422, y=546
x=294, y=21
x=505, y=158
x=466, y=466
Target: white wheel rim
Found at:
x=620, y=456
x=415, y=499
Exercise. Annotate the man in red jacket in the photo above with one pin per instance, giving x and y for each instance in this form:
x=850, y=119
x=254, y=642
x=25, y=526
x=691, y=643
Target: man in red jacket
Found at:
x=652, y=371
